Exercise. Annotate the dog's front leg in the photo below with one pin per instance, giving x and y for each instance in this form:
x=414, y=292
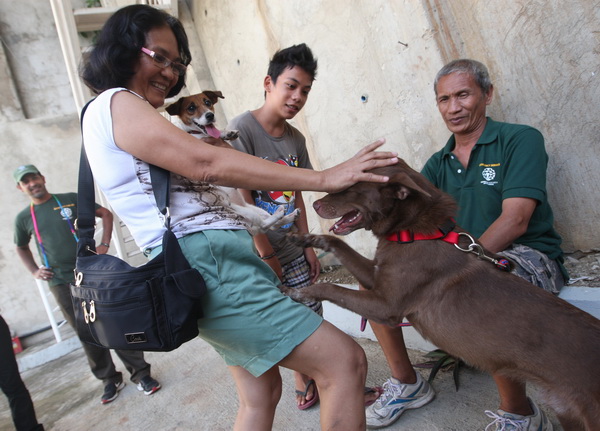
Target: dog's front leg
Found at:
x=360, y=267
x=230, y=135
x=366, y=303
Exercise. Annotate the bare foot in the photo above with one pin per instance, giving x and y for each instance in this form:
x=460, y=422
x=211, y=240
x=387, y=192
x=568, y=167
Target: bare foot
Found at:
x=307, y=396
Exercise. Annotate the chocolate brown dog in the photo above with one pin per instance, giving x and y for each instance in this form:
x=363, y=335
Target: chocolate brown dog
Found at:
x=434, y=274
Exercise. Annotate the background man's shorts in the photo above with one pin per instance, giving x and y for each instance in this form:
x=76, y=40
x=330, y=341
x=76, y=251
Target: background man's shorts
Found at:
x=535, y=267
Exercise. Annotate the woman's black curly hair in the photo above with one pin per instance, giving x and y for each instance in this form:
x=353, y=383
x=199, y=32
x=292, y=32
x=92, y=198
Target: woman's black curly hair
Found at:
x=112, y=60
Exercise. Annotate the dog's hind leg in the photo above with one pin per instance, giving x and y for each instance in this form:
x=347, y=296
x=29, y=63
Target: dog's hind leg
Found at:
x=573, y=424
x=361, y=267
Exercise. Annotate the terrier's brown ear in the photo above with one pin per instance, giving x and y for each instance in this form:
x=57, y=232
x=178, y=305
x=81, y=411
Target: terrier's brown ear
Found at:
x=173, y=108
x=213, y=95
x=406, y=185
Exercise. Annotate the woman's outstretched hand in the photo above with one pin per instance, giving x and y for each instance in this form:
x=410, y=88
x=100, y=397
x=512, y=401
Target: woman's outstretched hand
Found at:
x=356, y=169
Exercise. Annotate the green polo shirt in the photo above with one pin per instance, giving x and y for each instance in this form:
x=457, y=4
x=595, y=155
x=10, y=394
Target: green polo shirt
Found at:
x=59, y=243
x=508, y=161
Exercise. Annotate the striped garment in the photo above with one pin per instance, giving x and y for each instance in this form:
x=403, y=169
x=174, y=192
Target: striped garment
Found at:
x=296, y=275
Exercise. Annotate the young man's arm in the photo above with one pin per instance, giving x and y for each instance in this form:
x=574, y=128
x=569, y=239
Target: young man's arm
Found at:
x=309, y=253
x=262, y=243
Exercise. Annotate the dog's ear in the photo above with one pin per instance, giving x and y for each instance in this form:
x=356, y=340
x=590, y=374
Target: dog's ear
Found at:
x=213, y=95
x=406, y=185
x=173, y=108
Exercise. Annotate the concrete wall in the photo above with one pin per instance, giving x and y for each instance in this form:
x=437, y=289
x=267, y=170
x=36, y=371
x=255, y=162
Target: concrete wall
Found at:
x=543, y=57
x=38, y=125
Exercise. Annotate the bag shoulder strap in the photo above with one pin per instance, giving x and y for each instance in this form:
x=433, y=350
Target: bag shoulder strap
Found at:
x=160, y=179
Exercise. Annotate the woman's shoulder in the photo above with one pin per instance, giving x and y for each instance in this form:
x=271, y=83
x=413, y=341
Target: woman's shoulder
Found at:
x=103, y=98
x=108, y=94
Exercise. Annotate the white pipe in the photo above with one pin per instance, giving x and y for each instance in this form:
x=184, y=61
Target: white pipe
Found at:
x=43, y=293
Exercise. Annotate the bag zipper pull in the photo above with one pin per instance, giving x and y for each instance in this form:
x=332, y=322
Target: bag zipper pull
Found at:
x=86, y=316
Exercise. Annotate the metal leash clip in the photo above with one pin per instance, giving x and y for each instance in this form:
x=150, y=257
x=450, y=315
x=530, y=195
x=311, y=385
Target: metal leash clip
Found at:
x=477, y=249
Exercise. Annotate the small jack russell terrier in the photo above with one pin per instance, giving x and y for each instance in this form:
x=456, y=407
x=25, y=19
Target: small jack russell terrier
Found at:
x=195, y=115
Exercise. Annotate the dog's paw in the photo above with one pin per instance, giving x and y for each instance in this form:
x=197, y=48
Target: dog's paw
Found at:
x=309, y=240
x=230, y=135
x=295, y=294
x=304, y=294
x=295, y=214
x=285, y=219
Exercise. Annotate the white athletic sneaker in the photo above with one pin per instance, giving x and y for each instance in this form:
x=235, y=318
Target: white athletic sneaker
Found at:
x=505, y=421
x=396, y=398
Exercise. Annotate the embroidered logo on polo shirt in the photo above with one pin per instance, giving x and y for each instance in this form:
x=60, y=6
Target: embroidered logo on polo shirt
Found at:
x=66, y=213
x=488, y=173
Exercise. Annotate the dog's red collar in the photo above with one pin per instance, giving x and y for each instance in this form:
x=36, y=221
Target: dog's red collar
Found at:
x=445, y=233
x=406, y=236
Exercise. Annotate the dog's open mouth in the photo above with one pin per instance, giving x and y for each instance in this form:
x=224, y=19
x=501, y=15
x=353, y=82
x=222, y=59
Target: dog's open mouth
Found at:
x=348, y=223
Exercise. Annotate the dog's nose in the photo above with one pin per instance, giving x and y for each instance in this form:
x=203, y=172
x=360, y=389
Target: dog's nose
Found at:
x=210, y=116
x=316, y=205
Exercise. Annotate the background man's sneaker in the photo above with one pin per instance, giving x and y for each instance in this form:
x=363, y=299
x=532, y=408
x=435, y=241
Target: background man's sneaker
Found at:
x=396, y=398
x=505, y=421
x=148, y=385
x=111, y=391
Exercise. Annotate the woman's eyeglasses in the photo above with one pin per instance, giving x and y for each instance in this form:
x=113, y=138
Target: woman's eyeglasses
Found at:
x=163, y=62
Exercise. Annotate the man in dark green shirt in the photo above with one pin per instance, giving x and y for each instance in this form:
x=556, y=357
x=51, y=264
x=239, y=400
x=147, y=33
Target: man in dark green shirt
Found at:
x=508, y=162
x=497, y=174
x=50, y=219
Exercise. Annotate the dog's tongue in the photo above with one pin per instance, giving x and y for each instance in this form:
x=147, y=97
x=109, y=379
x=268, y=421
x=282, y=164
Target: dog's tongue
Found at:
x=213, y=131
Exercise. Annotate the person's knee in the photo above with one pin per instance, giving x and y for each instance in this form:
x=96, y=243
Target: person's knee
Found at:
x=275, y=391
x=359, y=361
x=265, y=395
x=350, y=364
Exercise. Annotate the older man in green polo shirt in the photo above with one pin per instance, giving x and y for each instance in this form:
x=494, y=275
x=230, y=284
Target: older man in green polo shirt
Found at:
x=497, y=174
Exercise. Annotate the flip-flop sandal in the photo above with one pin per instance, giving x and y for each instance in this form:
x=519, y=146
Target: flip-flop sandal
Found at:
x=315, y=397
x=374, y=390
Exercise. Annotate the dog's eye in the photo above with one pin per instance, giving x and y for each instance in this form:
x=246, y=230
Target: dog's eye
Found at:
x=192, y=108
x=208, y=103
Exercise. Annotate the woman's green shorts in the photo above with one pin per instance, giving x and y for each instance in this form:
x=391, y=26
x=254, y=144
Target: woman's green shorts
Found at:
x=246, y=318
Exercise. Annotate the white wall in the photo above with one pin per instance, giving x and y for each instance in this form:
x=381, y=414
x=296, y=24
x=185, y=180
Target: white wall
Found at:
x=543, y=58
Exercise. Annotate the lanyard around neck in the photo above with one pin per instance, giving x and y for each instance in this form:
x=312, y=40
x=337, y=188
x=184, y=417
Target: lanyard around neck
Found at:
x=37, y=230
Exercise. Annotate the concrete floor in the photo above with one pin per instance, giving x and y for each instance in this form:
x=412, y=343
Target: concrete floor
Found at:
x=198, y=394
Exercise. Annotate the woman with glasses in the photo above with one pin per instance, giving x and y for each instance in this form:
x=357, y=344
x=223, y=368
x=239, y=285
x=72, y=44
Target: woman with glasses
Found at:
x=139, y=60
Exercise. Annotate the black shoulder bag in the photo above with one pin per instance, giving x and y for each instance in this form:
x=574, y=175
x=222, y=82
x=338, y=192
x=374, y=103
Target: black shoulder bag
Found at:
x=154, y=307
